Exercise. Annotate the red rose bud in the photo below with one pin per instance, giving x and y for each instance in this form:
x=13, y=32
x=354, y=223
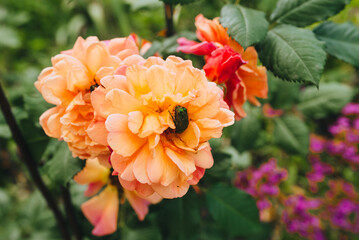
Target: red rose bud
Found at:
x=223, y=64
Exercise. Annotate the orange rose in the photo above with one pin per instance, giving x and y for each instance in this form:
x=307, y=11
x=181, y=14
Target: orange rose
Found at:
x=244, y=80
x=157, y=118
x=68, y=85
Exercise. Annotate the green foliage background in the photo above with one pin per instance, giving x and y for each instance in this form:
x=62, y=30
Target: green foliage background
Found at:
x=33, y=31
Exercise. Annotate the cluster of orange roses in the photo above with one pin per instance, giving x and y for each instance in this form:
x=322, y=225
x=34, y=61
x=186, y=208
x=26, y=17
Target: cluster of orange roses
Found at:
x=143, y=125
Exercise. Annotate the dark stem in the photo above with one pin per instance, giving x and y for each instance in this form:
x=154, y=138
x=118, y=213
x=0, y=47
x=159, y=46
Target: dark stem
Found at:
x=169, y=19
x=31, y=165
x=70, y=213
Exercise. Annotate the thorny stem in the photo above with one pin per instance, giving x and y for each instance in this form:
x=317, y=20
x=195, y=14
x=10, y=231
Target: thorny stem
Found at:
x=169, y=19
x=31, y=165
x=75, y=228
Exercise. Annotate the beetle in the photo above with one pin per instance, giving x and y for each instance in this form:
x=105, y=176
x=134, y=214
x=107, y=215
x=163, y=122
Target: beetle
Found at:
x=180, y=119
x=93, y=87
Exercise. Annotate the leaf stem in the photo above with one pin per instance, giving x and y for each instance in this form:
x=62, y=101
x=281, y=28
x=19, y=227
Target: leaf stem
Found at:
x=76, y=230
x=31, y=165
x=169, y=19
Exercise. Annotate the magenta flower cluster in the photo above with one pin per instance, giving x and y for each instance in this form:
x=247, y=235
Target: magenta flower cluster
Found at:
x=298, y=218
x=318, y=173
x=262, y=183
x=342, y=206
x=345, y=140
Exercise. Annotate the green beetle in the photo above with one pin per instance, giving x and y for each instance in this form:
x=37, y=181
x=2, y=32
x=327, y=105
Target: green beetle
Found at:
x=180, y=119
x=93, y=87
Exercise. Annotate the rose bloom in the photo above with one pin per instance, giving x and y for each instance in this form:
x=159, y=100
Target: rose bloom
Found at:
x=102, y=210
x=68, y=85
x=227, y=62
x=157, y=118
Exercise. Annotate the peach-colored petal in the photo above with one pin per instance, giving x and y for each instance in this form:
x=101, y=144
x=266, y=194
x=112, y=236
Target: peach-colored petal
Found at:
x=118, y=45
x=154, y=198
x=210, y=128
x=225, y=116
x=140, y=165
x=103, y=72
x=133, y=59
x=151, y=124
x=206, y=104
x=93, y=188
x=197, y=175
x=143, y=190
x=183, y=161
x=97, y=132
x=116, y=161
x=78, y=78
x=92, y=172
x=53, y=90
x=160, y=168
x=153, y=61
x=203, y=158
x=135, y=120
x=176, y=189
x=50, y=121
x=139, y=204
x=127, y=171
x=114, y=81
x=190, y=138
x=122, y=102
x=183, y=86
x=120, y=138
x=96, y=54
x=102, y=211
x=153, y=140
x=136, y=78
x=157, y=80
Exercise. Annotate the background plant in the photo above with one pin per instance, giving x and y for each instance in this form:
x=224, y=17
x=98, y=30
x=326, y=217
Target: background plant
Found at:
x=302, y=45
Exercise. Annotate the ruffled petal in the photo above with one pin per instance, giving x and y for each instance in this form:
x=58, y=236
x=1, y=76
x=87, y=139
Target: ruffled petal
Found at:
x=120, y=138
x=102, y=211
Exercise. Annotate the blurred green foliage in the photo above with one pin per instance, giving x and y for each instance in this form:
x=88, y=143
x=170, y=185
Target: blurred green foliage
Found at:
x=31, y=31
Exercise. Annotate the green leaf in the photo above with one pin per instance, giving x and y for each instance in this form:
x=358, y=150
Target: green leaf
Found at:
x=341, y=40
x=5, y=131
x=178, y=1
x=168, y=45
x=293, y=54
x=291, y=134
x=329, y=99
x=246, y=26
x=184, y=214
x=148, y=233
x=9, y=37
x=302, y=13
x=245, y=133
x=233, y=210
x=62, y=167
x=282, y=95
x=35, y=105
x=35, y=138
